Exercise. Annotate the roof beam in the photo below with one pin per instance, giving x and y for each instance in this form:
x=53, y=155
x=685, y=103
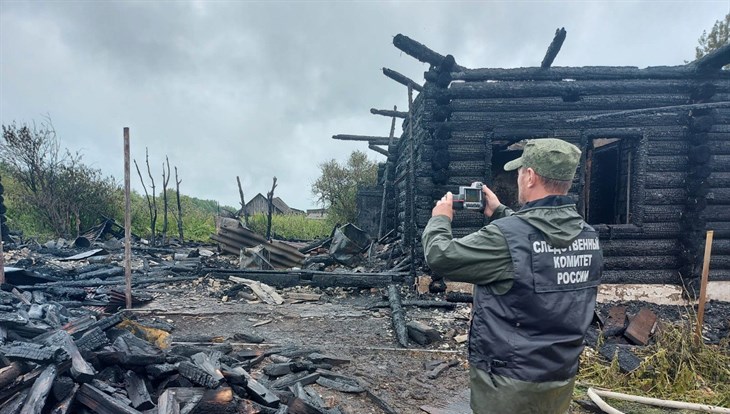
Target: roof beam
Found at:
x=554, y=48
x=389, y=113
x=402, y=79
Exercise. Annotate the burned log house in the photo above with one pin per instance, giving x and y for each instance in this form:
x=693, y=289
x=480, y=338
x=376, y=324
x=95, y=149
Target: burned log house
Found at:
x=655, y=170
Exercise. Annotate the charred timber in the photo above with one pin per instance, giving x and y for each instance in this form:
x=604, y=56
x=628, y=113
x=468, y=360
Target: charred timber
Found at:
x=713, y=61
x=657, y=110
x=402, y=79
x=554, y=48
x=378, y=150
x=569, y=91
x=389, y=113
x=38, y=393
x=584, y=73
x=423, y=53
x=370, y=140
x=100, y=402
x=556, y=103
x=398, y=315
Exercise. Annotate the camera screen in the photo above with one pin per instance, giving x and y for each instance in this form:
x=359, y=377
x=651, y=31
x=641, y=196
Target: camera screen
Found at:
x=472, y=195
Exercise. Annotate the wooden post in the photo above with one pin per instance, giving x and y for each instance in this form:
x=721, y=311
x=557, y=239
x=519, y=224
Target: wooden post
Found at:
x=383, y=204
x=412, y=185
x=127, y=224
x=703, y=285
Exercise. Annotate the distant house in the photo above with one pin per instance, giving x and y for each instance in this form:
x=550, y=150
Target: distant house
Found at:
x=317, y=213
x=260, y=205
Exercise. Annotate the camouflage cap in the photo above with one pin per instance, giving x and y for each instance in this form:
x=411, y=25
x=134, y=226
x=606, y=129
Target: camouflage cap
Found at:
x=549, y=157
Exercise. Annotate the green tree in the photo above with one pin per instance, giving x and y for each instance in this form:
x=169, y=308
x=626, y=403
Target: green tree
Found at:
x=52, y=187
x=719, y=36
x=337, y=187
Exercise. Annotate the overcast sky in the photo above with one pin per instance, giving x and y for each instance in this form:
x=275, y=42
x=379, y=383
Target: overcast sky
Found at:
x=257, y=89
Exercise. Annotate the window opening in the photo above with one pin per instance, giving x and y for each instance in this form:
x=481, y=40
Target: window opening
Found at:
x=608, y=176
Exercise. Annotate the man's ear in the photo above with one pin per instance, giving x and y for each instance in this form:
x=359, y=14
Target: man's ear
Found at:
x=531, y=177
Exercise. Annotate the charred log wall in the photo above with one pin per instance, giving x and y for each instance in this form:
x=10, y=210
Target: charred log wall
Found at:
x=680, y=165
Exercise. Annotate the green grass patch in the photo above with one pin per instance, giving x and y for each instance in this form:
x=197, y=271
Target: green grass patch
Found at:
x=291, y=226
x=674, y=367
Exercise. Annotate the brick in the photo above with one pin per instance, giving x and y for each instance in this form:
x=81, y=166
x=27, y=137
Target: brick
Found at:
x=641, y=327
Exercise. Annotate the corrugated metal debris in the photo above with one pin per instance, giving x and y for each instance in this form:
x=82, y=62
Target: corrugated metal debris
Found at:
x=232, y=237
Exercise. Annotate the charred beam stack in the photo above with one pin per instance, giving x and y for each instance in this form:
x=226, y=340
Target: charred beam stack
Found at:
x=656, y=167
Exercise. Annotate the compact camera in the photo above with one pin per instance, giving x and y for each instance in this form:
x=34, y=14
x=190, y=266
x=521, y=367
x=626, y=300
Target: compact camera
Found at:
x=469, y=198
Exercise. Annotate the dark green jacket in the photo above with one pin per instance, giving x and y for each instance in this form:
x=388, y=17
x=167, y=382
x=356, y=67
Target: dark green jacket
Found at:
x=483, y=258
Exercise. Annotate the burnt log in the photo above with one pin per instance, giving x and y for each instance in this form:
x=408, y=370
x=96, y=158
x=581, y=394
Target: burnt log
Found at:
x=137, y=391
x=14, y=403
x=255, y=389
x=92, y=340
x=169, y=401
x=640, y=248
x=80, y=369
x=402, y=79
x=658, y=277
x=641, y=262
x=713, y=61
x=419, y=304
x=529, y=89
x=62, y=387
x=101, y=274
x=369, y=139
x=398, y=315
x=100, y=402
x=554, y=48
x=556, y=103
x=583, y=73
x=389, y=113
x=29, y=351
x=421, y=52
x=38, y=393
x=10, y=373
x=64, y=405
x=198, y=375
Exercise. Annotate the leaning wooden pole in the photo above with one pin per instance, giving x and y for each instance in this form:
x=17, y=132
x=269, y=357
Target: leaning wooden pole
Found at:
x=383, y=203
x=127, y=224
x=703, y=286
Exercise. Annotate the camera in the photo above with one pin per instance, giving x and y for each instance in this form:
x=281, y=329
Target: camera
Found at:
x=469, y=198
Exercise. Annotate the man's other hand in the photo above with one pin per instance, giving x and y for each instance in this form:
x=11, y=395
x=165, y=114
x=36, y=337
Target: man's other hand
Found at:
x=491, y=201
x=444, y=207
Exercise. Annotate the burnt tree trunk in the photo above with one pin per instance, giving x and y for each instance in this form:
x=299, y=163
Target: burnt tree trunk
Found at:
x=179, y=208
x=165, y=181
x=270, y=198
x=151, y=202
x=244, y=210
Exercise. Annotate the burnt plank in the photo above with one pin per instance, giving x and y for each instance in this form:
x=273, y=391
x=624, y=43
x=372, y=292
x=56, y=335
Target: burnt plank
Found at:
x=99, y=402
x=80, y=369
x=137, y=391
x=9, y=373
x=64, y=406
x=38, y=393
x=197, y=375
x=641, y=327
x=14, y=403
x=256, y=390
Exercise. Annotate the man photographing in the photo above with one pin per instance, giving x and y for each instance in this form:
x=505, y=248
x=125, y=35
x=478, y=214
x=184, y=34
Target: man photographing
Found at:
x=536, y=273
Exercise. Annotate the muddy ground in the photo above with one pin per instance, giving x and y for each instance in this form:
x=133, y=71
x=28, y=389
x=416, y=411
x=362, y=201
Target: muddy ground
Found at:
x=344, y=323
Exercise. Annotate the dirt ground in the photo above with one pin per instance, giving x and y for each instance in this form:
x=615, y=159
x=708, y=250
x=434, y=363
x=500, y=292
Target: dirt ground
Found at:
x=344, y=323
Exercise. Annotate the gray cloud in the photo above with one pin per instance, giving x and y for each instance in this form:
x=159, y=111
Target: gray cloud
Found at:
x=257, y=89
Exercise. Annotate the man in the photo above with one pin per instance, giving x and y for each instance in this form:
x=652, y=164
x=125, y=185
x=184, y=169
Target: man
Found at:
x=536, y=273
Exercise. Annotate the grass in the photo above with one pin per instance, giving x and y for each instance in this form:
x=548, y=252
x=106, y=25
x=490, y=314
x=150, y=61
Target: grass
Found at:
x=674, y=367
